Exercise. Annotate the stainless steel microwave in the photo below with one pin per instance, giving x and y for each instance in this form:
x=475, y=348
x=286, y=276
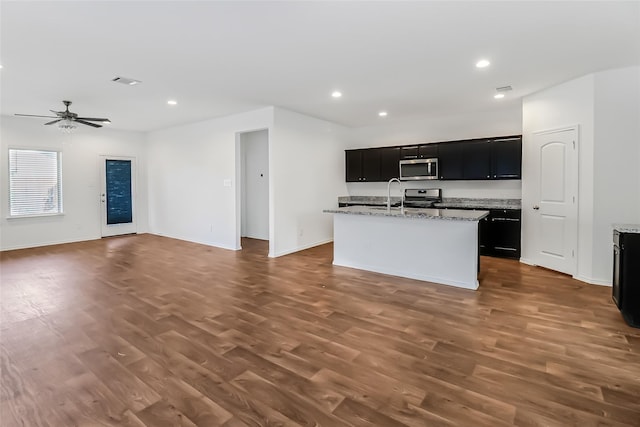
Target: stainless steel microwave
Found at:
x=418, y=169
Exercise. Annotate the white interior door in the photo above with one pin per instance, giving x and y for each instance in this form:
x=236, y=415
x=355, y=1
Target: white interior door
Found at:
x=117, y=198
x=556, y=211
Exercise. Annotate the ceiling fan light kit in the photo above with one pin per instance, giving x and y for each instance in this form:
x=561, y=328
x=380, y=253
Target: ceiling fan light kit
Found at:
x=67, y=121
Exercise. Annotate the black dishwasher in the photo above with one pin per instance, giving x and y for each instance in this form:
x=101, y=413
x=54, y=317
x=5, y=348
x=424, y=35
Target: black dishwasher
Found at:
x=626, y=276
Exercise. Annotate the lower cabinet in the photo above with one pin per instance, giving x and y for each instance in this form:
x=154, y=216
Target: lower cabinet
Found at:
x=500, y=233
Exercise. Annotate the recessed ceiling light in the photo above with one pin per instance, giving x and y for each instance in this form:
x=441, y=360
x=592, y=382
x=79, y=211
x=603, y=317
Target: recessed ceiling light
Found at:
x=483, y=63
x=172, y=102
x=382, y=113
x=498, y=95
x=336, y=94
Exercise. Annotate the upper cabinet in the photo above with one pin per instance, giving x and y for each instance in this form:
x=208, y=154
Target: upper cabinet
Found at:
x=476, y=162
x=389, y=163
x=506, y=158
x=450, y=160
x=362, y=165
x=409, y=152
x=474, y=159
x=428, y=151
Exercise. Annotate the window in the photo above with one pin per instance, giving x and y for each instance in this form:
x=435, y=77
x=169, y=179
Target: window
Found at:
x=35, y=184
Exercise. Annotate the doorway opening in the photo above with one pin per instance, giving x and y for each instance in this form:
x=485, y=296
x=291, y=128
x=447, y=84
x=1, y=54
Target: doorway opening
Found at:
x=253, y=186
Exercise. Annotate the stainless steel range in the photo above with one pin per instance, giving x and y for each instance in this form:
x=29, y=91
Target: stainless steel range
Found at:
x=422, y=197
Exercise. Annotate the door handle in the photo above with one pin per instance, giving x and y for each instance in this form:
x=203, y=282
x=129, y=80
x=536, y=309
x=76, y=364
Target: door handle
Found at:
x=536, y=207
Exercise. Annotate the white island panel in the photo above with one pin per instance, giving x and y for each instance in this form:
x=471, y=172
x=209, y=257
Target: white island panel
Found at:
x=433, y=250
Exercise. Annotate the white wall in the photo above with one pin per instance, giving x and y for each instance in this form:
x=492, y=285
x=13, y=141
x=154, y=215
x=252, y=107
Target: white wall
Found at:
x=606, y=106
x=81, y=181
x=616, y=166
x=564, y=105
x=188, y=167
x=506, y=121
x=307, y=172
x=255, y=184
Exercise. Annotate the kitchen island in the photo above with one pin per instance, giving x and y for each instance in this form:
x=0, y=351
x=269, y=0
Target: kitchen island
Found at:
x=433, y=245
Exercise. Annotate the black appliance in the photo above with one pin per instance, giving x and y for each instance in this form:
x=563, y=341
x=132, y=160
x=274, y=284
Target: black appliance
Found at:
x=626, y=276
x=422, y=197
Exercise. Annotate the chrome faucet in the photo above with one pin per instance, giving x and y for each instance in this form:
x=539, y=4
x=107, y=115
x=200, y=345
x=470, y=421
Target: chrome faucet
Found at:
x=389, y=195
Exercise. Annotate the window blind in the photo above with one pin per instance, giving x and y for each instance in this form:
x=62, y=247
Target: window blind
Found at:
x=35, y=184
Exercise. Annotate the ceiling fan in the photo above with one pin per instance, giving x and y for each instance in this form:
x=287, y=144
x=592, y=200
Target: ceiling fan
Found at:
x=68, y=118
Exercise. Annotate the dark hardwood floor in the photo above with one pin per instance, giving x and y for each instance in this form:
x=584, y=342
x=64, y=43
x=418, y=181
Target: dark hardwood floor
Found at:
x=149, y=331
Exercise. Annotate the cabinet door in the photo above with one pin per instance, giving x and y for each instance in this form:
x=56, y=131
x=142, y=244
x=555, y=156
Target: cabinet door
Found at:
x=505, y=233
x=506, y=158
x=389, y=163
x=477, y=159
x=371, y=164
x=428, y=151
x=353, y=165
x=450, y=160
x=409, y=152
x=484, y=230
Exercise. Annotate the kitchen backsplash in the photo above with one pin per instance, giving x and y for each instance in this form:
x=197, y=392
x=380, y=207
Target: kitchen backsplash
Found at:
x=511, y=189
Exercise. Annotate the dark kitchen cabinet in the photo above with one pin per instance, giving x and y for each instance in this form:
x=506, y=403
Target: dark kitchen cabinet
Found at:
x=504, y=233
x=389, y=163
x=428, y=151
x=409, y=152
x=626, y=276
x=450, y=160
x=476, y=159
x=506, y=158
x=362, y=165
x=353, y=165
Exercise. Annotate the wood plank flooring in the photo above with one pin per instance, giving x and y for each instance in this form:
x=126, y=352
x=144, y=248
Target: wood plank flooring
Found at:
x=150, y=331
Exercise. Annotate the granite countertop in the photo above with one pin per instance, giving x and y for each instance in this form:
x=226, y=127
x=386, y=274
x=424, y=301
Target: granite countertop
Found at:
x=444, y=214
x=460, y=203
x=479, y=203
x=627, y=228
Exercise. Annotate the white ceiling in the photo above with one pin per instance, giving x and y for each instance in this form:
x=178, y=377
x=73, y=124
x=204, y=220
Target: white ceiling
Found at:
x=411, y=59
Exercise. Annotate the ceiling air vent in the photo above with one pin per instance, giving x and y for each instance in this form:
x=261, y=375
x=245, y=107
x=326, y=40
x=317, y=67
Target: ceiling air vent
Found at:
x=503, y=89
x=126, y=81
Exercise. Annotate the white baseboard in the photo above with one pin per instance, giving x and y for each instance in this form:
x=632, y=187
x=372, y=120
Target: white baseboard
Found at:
x=300, y=248
x=56, y=242
x=200, y=242
x=593, y=281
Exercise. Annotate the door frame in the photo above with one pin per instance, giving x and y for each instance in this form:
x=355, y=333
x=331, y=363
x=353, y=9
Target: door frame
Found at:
x=117, y=229
x=238, y=187
x=574, y=180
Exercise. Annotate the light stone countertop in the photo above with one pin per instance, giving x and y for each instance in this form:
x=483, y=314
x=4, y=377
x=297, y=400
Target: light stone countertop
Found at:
x=447, y=202
x=444, y=214
x=627, y=228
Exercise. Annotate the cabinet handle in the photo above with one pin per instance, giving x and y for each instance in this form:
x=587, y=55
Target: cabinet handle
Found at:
x=505, y=249
x=409, y=157
x=536, y=207
x=506, y=219
x=512, y=175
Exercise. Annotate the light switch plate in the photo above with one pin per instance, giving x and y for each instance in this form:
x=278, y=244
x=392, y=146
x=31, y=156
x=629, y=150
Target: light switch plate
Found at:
x=227, y=183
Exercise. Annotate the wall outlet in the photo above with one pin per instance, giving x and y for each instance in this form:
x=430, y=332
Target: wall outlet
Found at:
x=227, y=183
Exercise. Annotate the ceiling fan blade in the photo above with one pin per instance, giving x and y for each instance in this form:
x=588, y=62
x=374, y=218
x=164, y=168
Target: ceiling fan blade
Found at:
x=93, y=119
x=52, y=122
x=33, y=115
x=87, y=123
x=59, y=113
